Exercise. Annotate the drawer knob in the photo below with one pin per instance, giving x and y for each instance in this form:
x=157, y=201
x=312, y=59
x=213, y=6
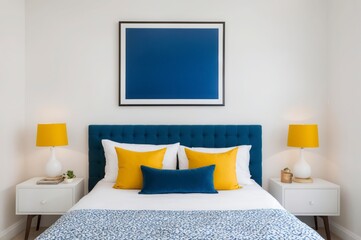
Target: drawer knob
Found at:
x=43, y=202
x=311, y=203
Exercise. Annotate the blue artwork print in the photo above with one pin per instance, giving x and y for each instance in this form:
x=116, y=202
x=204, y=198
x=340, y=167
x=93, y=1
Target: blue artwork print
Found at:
x=172, y=63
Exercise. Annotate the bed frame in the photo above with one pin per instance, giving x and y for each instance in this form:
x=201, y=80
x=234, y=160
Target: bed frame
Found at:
x=215, y=136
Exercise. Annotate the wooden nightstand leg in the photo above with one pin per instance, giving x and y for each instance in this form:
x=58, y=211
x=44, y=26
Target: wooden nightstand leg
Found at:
x=316, y=224
x=28, y=225
x=327, y=227
x=38, y=224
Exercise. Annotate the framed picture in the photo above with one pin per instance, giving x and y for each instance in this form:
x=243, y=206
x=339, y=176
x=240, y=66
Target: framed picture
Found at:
x=171, y=63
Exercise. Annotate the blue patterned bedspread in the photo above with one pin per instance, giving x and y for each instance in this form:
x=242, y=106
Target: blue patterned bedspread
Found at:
x=148, y=224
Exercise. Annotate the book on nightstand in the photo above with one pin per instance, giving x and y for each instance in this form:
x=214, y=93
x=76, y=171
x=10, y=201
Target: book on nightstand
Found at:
x=50, y=180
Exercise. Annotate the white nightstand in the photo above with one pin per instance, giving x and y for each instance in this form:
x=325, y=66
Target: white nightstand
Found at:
x=36, y=200
x=320, y=198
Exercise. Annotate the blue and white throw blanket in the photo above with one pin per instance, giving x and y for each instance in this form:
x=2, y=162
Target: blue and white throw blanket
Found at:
x=151, y=224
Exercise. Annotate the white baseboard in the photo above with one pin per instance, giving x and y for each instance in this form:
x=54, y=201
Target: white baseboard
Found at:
x=13, y=230
x=342, y=232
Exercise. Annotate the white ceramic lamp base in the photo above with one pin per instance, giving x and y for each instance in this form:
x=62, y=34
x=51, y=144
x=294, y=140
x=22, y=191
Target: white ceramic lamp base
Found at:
x=302, y=170
x=53, y=166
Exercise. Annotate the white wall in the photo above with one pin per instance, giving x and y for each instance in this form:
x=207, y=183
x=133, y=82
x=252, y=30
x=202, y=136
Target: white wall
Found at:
x=275, y=71
x=286, y=61
x=12, y=105
x=344, y=112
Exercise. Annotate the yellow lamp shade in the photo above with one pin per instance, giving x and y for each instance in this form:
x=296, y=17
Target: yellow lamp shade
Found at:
x=50, y=135
x=303, y=135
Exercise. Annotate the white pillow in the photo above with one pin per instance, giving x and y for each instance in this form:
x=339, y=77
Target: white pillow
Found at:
x=242, y=161
x=111, y=158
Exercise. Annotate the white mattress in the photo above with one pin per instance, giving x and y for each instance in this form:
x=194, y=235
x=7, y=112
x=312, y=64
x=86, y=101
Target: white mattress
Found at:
x=103, y=196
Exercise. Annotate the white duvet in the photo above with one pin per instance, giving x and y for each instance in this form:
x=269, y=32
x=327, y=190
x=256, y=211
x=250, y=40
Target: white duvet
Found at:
x=103, y=196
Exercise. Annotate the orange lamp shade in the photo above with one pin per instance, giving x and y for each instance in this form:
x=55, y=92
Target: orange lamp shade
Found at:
x=50, y=135
x=303, y=136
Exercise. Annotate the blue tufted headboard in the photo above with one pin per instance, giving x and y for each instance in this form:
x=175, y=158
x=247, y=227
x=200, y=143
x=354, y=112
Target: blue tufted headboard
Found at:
x=188, y=135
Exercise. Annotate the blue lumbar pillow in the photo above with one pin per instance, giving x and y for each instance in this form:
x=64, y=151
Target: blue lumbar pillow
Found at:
x=160, y=181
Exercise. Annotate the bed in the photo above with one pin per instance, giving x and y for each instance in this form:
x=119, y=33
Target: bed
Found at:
x=246, y=213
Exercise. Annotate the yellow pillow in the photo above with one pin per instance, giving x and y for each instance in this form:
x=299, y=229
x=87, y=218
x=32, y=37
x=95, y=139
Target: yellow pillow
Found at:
x=129, y=162
x=225, y=177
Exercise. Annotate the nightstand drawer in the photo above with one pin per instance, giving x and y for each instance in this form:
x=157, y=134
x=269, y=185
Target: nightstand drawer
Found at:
x=44, y=200
x=311, y=201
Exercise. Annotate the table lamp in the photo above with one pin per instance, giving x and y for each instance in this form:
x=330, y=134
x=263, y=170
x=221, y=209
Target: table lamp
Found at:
x=302, y=136
x=52, y=135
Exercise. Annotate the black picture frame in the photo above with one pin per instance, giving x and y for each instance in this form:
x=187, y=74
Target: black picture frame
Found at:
x=171, y=63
